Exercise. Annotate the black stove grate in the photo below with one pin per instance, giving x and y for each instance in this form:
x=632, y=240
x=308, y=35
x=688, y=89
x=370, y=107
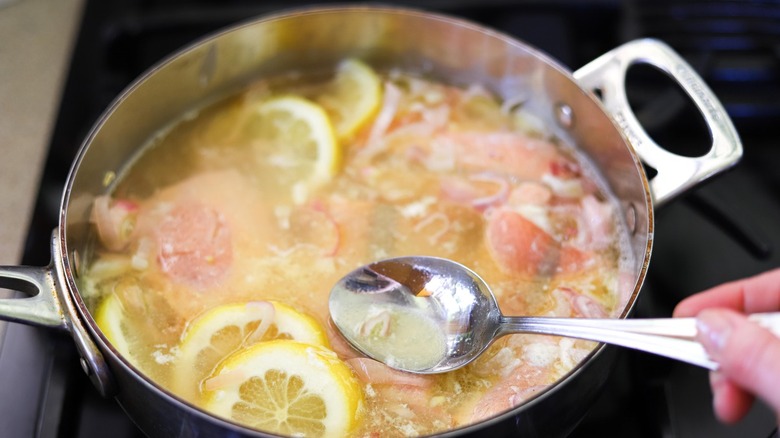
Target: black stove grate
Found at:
x=734, y=44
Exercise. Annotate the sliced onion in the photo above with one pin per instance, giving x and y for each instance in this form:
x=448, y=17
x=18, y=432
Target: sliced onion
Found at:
x=109, y=265
x=564, y=187
x=587, y=307
x=597, y=217
x=529, y=192
x=390, y=102
x=562, y=299
x=572, y=303
x=140, y=259
x=114, y=221
x=267, y=314
x=497, y=197
x=101, y=216
x=224, y=380
x=419, y=130
x=379, y=320
x=502, y=363
x=437, y=117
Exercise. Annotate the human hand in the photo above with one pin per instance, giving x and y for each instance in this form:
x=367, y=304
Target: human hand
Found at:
x=748, y=355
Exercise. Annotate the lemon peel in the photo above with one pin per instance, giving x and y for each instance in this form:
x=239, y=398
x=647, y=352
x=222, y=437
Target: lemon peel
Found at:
x=352, y=98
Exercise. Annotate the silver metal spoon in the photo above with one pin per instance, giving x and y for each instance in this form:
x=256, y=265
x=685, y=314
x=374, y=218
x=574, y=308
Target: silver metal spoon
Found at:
x=431, y=315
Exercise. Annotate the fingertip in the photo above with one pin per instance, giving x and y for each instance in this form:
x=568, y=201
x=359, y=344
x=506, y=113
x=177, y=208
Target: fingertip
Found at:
x=729, y=401
x=749, y=357
x=686, y=308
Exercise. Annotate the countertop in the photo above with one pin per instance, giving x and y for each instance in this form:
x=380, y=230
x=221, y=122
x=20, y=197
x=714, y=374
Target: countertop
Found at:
x=36, y=41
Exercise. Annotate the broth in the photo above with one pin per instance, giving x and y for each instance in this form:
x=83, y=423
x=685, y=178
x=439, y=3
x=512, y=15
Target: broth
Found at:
x=216, y=212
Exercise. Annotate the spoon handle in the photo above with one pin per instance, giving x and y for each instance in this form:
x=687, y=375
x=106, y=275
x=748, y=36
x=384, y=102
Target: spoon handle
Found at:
x=669, y=337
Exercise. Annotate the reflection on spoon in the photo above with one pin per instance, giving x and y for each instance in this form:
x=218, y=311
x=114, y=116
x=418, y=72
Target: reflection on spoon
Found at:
x=431, y=315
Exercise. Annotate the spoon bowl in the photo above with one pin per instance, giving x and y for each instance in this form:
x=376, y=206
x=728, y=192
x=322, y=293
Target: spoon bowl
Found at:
x=431, y=315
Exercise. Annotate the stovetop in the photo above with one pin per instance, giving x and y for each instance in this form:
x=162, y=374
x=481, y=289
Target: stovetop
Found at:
x=724, y=230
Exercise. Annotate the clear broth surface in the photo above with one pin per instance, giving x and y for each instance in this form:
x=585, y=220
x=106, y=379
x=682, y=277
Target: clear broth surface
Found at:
x=445, y=171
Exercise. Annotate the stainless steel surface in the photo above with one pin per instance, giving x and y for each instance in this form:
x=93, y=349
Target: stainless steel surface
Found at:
x=93, y=362
x=676, y=173
x=41, y=307
x=669, y=337
x=49, y=304
x=462, y=307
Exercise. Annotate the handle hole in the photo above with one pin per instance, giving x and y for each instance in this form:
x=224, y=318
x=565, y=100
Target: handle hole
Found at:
x=650, y=171
x=16, y=284
x=666, y=112
x=598, y=92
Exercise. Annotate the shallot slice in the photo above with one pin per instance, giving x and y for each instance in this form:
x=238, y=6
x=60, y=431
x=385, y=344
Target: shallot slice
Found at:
x=466, y=190
x=529, y=192
x=224, y=380
x=114, y=222
x=570, y=302
x=497, y=197
x=392, y=98
x=267, y=314
x=378, y=323
x=597, y=218
x=587, y=307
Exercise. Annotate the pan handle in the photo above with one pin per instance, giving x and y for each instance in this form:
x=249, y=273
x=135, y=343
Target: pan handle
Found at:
x=676, y=173
x=47, y=304
x=41, y=306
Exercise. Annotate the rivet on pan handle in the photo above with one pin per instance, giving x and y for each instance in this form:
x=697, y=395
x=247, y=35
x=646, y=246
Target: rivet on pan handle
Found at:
x=676, y=173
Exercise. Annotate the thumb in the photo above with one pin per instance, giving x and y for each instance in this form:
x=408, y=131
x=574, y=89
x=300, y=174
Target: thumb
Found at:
x=748, y=355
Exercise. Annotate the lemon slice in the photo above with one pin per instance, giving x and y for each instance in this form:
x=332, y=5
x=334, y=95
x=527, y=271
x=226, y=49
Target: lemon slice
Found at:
x=110, y=317
x=129, y=335
x=292, y=324
x=352, y=98
x=295, y=135
x=222, y=330
x=286, y=387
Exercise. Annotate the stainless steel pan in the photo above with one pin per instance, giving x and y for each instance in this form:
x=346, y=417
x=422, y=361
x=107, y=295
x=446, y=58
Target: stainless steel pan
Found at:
x=443, y=47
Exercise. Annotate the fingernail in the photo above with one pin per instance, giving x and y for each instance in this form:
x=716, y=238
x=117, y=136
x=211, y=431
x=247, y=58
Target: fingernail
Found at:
x=714, y=329
x=716, y=379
